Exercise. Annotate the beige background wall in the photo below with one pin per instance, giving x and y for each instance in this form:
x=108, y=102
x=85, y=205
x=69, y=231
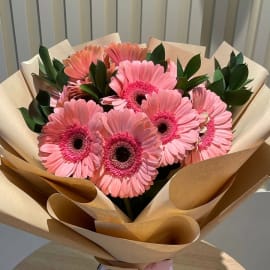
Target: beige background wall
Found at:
x=24, y=24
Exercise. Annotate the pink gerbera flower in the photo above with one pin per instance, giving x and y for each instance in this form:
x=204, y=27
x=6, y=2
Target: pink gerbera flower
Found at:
x=176, y=121
x=135, y=80
x=72, y=91
x=77, y=65
x=131, y=154
x=70, y=143
x=125, y=51
x=215, y=126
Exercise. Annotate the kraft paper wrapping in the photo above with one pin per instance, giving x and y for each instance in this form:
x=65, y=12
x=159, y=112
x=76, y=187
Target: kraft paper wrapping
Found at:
x=20, y=210
x=180, y=231
x=183, y=53
x=202, y=192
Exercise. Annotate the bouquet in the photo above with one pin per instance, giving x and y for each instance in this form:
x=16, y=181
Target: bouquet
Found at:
x=130, y=152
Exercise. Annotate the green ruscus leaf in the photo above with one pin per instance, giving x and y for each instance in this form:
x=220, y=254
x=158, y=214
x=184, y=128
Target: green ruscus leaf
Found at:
x=48, y=65
x=29, y=121
x=193, y=66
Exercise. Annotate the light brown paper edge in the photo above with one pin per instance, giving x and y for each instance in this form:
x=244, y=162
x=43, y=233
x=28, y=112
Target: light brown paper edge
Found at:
x=129, y=251
x=19, y=210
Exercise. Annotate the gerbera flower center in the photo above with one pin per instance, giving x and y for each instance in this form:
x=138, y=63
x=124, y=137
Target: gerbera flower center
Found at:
x=166, y=125
x=140, y=98
x=162, y=127
x=136, y=92
x=122, y=155
x=75, y=143
x=78, y=143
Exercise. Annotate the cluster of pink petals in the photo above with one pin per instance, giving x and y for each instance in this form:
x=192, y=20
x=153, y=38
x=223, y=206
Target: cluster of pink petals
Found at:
x=132, y=151
x=70, y=143
x=176, y=121
x=215, y=126
x=119, y=52
x=151, y=123
x=71, y=91
x=77, y=65
x=135, y=80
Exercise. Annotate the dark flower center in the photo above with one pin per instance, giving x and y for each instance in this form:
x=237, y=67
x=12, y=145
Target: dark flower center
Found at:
x=78, y=143
x=162, y=127
x=140, y=98
x=122, y=154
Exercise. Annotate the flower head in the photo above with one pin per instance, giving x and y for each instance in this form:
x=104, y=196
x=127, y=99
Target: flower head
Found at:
x=131, y=154
x=72, y=91
x=176, y=121
x=215, y=126
x=135, y=80
x=125, y=51
x=70, y=143
x=77, y=65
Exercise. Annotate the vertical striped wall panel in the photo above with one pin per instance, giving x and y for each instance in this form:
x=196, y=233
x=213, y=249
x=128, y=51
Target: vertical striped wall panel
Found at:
x=25, y=24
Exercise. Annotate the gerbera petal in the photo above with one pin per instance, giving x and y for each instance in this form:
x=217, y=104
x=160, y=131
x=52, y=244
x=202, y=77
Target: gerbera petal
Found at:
x=179, y=132
x=66, y=143
x=124, y=159
x=216, y=126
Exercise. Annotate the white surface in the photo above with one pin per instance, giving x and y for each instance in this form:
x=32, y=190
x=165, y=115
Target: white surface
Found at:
x=15, y=245
x=244, y=235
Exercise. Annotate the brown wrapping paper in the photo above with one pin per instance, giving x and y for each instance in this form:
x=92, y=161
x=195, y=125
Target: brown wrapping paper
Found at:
x=106, y=40
x=80, y=191
x=11, y=120
x=226, y=180
x=254, y=125
x=20, y=210
x=184, y=54
x=122, y=249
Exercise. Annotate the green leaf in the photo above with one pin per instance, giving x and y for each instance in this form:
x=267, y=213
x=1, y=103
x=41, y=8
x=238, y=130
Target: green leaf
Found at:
x=182, y=84
x=87, y=89
x=45, y=57
x=61, y=79
x=158, y=54
x=180, y=71
x=237, y=97
x=238, y=76
x=101, y=76
x=29, y=121
x=226, y=74
x=35, y=113
x=42, y=70
x=196, y=81
x=217, y=87
x=218, y=75
x=232, y=62
x=193, y=66
x=217, y=65
x=239, y=59
x=148, y=56
x=92, y=72
x=58, y=65
x=43, y=98
x=46, y=110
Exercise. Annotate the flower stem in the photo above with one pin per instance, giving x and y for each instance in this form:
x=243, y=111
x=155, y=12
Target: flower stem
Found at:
x=128, y=208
